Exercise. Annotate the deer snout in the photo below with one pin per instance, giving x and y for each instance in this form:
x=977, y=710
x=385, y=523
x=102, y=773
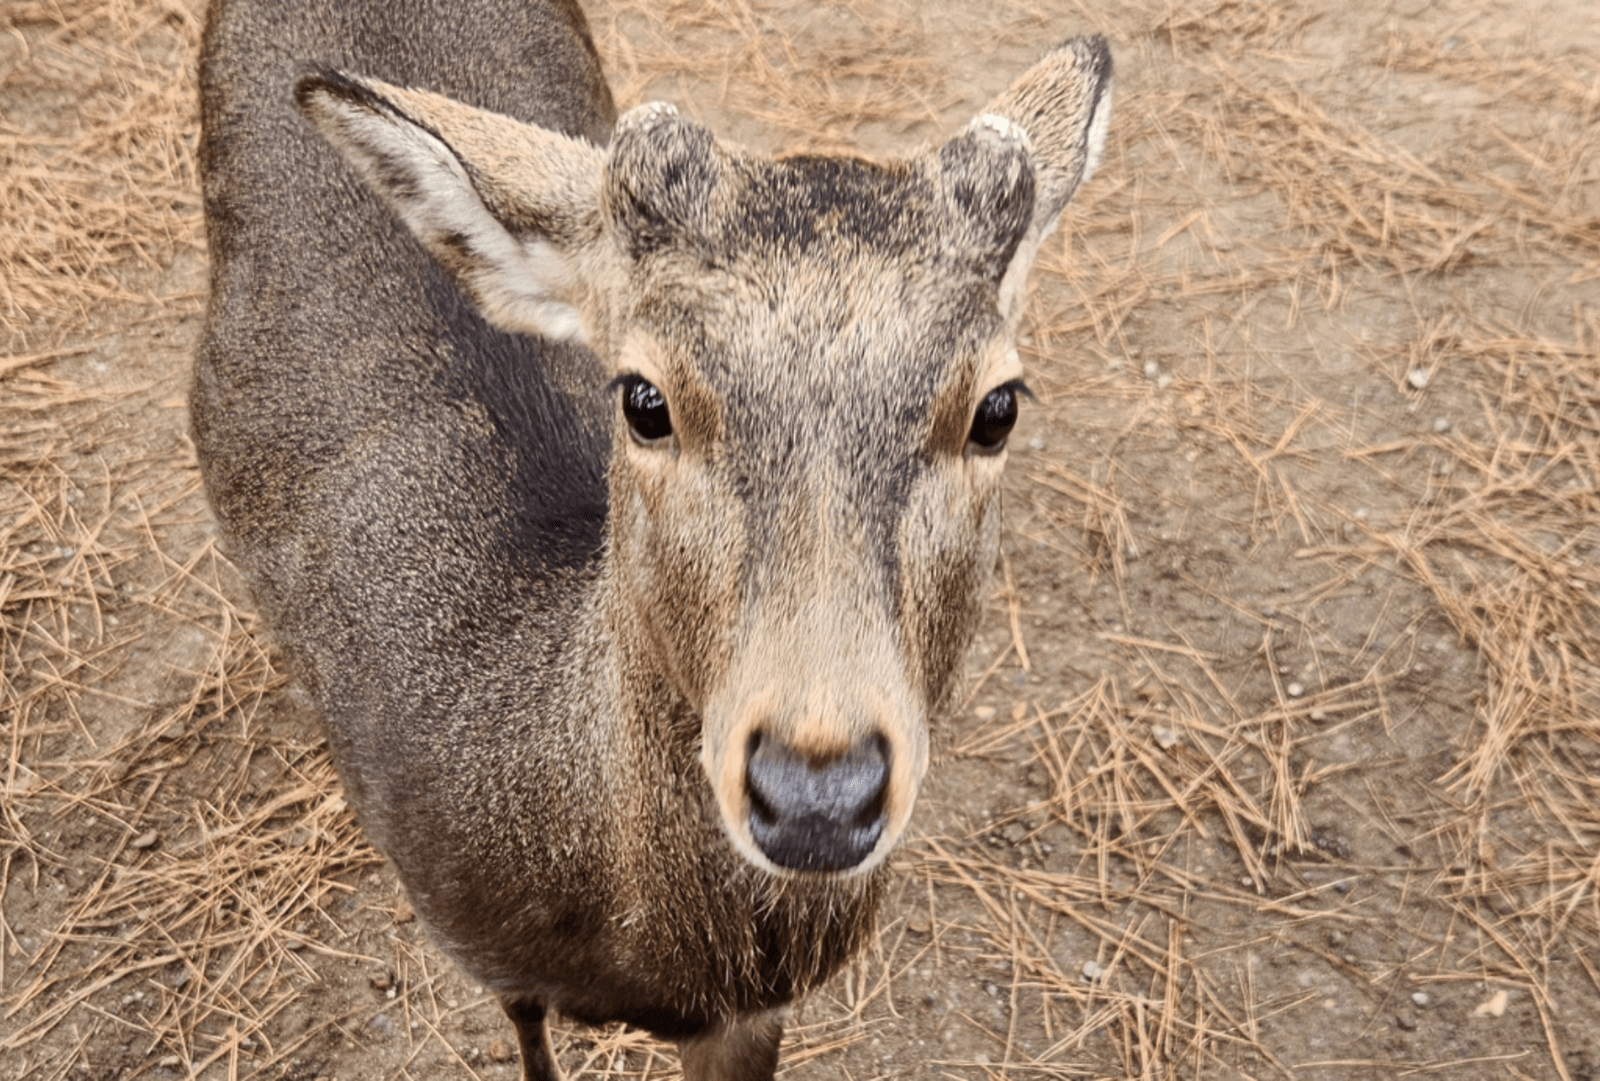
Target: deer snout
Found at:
x=807, y=815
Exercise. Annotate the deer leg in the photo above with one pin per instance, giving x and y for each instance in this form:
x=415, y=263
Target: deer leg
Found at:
x=743, y=1049
x=533, y=1039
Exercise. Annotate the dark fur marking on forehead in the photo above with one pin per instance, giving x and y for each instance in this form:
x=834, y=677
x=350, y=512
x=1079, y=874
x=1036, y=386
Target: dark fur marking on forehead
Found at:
x=795, y=203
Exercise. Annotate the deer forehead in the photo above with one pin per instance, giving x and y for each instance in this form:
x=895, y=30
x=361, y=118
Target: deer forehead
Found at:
x=800, y=250
x=838, y=364
x=672, y=185
x=814, y=339
x=836, y=207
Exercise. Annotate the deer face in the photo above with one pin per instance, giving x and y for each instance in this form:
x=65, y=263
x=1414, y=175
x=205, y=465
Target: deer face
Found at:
x=815, y=377
x=815, y=383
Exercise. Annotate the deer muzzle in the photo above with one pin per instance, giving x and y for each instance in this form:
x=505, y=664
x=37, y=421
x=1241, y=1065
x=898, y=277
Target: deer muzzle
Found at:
x=816, y=816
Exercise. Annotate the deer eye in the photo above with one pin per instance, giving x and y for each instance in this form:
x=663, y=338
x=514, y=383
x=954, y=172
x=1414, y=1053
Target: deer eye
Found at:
x=996, y=416
x=645, y=410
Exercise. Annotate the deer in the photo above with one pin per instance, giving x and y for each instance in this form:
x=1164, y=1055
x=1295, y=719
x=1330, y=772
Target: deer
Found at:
x=624, y=501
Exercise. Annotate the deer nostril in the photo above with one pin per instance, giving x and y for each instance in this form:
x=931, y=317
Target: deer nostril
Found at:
x=760, y=807
x=822, y=817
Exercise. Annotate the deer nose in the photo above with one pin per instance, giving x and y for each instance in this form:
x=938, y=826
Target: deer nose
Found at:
x=810, y=816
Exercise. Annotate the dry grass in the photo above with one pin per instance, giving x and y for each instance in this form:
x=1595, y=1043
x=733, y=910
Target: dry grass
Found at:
x=1282, y=678
x=97, y=175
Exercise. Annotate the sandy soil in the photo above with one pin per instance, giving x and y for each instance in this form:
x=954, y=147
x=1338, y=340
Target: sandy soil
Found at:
x=1282, y=755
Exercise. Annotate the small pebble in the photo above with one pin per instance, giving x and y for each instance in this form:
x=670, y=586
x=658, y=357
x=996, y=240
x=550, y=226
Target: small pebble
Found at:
x=1165, y=737
x=1092, y=970
x=1419, y=998
x=145, y=840
x=984, y=713
x=1152, y=370
x=1407, y=1021
x=1418, y=378
x=1296, y=689
x=169, y=1061
x=1163, y=381
x=499, y=1051
x=919, y=924
x=1036, y=443
x=1441, y=425
x=383, y=1023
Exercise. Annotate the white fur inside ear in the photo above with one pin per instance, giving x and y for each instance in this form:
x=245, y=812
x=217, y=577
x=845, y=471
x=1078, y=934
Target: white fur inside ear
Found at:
x=1016, y=275
x=514, y=281
x=1099, y=124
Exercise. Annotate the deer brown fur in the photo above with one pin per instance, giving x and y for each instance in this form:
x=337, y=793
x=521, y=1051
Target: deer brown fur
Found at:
x=624, y=500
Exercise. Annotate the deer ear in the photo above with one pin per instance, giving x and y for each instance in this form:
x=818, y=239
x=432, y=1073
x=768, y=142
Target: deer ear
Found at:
x=510, y=210
x=1063, y=104
x=1059, y=111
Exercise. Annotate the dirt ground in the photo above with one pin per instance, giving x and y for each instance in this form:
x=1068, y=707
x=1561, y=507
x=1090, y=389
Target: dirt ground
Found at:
x=1282, y=753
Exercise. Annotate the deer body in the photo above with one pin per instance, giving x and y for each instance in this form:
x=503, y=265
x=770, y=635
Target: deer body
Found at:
x=623, y=501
